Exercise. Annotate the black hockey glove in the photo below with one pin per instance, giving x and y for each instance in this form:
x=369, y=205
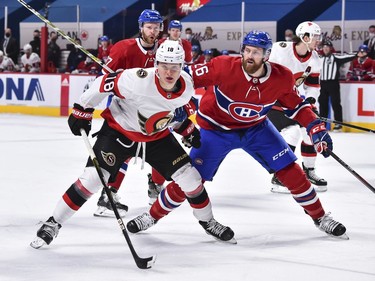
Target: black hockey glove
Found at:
x=190, y=134
x=312, y=101
x=80, y=118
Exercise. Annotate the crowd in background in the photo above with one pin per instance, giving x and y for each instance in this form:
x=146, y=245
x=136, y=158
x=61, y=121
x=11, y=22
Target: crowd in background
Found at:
x=362, y=66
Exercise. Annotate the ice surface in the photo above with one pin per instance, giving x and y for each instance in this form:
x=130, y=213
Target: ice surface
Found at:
x=40, y=159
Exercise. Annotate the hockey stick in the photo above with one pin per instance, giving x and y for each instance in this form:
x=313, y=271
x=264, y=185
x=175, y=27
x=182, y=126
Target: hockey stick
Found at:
x=58, y=30
x=143, y=263
x=346, y=166
x=346, y=124
x=312, y=101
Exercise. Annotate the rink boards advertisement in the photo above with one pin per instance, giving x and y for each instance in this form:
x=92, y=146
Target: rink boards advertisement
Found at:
x=44, y=94
x=358, y=103
x=55, y=94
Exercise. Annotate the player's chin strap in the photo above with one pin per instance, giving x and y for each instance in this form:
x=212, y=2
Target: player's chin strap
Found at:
x=306, y=43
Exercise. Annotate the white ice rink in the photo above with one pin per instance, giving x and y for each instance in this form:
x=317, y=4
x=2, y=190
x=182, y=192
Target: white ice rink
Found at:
x=40, y=159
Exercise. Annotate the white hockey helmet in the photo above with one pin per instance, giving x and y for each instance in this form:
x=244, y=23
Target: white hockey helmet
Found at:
x=27, y=47
x=170, y=51
x=308, y=27
x=1, y=54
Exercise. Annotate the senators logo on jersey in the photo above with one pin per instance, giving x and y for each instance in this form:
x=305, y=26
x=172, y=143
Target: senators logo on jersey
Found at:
x=155, y=123
x=108, y=158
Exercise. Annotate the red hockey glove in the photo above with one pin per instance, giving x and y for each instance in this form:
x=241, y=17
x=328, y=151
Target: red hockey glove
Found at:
x=319, y=137
x=190, y=134
x=80, y=118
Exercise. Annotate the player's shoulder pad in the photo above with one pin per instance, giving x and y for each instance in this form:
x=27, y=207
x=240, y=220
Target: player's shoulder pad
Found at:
x=142, y=73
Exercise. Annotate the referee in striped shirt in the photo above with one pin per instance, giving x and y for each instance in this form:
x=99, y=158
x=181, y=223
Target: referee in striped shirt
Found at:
x=330, y=84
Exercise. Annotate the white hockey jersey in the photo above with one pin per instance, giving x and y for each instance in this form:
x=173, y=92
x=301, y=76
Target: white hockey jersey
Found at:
x=7, y=65
x=305, y=69
x=31, y=63
x=141, y=110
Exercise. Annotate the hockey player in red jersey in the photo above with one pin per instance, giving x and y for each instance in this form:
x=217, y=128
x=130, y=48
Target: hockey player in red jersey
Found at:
x=174, y=32
x=104, y=49
x=233, y=115
x=361, y=66
x=136, y=123
x=304, y=62
x=125, y=54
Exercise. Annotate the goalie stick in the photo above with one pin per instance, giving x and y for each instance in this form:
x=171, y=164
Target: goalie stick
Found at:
x=143, y=263
x=58, y=30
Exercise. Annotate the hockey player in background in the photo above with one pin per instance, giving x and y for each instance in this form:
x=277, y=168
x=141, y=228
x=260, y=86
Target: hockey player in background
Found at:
x=361, y=68
x=6, y=63
x=30, y=61
x=125, y=54
x=233, y=115
x=137, y=124
x=174, y=33
x=304, y=62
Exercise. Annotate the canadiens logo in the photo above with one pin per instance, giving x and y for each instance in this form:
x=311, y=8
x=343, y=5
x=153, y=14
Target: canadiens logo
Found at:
x=244, y=112
x=282, y=44
x=142, y=73
x=108, y=158
x=155, y=123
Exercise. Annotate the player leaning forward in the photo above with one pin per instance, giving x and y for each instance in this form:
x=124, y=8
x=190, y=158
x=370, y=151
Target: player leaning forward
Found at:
x=233, y=115
x=136, y=124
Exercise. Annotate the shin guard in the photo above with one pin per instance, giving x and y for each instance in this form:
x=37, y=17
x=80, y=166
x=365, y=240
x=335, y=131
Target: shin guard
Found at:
x=169, y=198
x=303, y=193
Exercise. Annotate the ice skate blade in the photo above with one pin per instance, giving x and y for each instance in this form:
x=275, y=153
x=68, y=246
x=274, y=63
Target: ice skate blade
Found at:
x=231, y=241
x=106, y=213
x=279, y=189
x=341, y=237
x=37, y=243
x=152, y=201
x=319, y=188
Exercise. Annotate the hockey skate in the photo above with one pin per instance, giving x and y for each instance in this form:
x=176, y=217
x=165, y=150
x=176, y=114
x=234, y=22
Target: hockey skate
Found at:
x=337, y=128
x=153, y=190
x=140, y=223
x=105, y=208
x=331, y=227
x=218, y=231
x=46, y=233
x=277, y=186
x=320, y=184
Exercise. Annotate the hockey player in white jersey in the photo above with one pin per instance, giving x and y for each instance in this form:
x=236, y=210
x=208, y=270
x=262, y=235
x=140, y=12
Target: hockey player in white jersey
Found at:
x=6, y=63
x=137, y=125
x=30, y=62
x=302, y=59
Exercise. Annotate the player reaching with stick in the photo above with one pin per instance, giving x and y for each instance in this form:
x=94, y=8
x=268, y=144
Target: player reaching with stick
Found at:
x=233, y=115
x=125, y=54
x=136, y=124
